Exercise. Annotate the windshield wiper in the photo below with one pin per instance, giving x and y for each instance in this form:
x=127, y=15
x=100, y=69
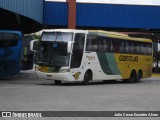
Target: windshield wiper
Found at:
x=53, y=48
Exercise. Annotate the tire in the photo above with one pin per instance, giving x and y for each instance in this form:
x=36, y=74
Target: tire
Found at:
x=87, y=77
x=57, y=82
x=133, y=77
x=139, y=76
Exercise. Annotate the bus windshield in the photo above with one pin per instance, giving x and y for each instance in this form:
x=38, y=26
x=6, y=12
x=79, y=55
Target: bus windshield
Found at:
x=8, y=39
x=52, y=49
x=52, y=54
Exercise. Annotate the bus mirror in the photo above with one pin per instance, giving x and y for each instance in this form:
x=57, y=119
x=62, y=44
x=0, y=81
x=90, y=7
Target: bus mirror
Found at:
x=69, y=48
x=34, y=45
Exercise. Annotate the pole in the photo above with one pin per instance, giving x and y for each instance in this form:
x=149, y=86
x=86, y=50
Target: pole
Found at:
x=71, y=14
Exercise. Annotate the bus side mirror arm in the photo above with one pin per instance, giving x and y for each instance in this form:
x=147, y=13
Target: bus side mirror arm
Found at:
x=70, y=46
x=32, y=45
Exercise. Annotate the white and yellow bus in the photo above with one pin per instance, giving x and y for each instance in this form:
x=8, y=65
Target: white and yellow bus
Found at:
x=81, y=55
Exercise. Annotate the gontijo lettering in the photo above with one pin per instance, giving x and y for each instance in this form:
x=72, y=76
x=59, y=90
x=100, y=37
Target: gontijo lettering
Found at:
x=128, y=58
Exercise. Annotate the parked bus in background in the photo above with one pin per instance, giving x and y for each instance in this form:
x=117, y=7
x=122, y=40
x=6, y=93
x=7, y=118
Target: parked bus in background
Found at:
x=81, y=55
x=10, y=52
x=27, y=56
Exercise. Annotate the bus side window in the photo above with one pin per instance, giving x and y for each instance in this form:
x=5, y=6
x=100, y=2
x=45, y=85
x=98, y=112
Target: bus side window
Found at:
x=92, y=43
x=138, y=48
x=134, y=48
x=88, y=44
x=103, y=44
x=144, y=49
x=121, y=47
x=116, y=45
x=126, y=47
x=148, y=49
x=108, y=45
x=131, y=47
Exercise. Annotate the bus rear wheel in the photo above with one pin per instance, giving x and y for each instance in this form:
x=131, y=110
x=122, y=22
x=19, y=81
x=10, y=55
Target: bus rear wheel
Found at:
x=57, y=82
x=139, y=76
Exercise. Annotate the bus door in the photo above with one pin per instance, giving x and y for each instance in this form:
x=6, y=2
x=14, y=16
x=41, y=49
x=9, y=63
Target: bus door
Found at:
x=91, y=60
x=77, y=55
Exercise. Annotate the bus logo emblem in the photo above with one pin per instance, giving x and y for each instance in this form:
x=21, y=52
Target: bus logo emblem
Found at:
x=76, y=75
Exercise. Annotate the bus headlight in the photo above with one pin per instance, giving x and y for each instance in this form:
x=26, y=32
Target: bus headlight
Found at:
x=37, y=68
x=64, y=70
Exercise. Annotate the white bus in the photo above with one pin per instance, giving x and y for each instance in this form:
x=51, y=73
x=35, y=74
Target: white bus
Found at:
x=81, y=55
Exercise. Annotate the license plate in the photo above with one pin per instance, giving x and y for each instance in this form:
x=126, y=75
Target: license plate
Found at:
x=44, y=69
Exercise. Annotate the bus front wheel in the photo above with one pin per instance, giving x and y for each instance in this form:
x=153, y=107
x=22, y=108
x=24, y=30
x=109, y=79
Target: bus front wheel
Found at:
x=57, y=82
x=87, y=78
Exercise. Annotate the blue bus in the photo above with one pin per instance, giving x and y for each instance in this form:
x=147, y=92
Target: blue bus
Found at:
x=10, y=52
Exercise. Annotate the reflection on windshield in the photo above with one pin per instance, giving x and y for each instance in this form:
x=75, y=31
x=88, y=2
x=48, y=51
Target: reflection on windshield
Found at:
x=8, y=39
x=53, y=54
x=57, y=36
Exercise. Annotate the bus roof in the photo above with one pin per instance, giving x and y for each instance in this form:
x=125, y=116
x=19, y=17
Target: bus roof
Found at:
x=118, y=35
x=65, y=30
x=100, y=33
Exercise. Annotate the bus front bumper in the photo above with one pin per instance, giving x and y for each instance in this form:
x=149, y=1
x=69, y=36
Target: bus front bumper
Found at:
x=56, y=76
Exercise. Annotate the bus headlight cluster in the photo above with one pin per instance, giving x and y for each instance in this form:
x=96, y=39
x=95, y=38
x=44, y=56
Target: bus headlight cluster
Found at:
x=37, y=68
x=64, y=70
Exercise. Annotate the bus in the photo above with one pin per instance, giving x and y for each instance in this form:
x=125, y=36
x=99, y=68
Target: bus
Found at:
x=10, y=52
x=82, y=55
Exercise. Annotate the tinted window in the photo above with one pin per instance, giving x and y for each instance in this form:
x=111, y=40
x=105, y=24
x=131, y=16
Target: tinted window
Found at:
x=115, y=45
x=57, y=36
x=106, y=44
x=8, y=39
x=92, y=43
